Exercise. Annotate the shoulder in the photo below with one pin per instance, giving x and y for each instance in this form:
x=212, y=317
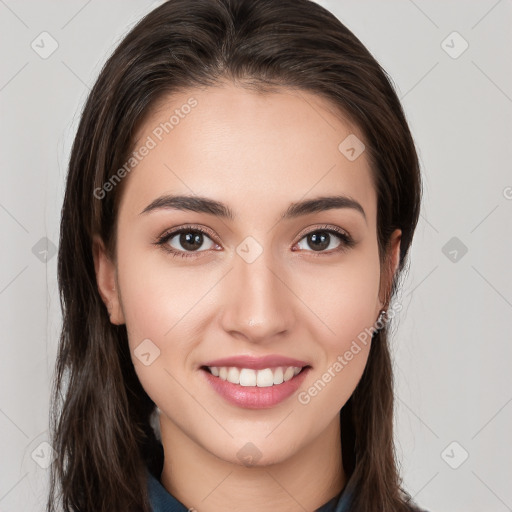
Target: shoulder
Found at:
x=160, y=499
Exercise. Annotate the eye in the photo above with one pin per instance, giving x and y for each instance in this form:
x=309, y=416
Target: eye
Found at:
x=185, y=240
x=327, y=239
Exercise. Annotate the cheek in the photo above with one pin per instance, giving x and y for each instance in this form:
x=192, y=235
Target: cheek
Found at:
x=155, y=300
x=155, y=296
x=167, y=304
x=343, y=296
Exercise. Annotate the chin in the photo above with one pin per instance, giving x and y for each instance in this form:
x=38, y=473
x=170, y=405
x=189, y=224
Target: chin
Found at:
x=253, y=454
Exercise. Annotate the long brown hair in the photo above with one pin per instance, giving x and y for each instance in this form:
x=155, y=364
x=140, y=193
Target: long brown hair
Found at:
x=100, y=417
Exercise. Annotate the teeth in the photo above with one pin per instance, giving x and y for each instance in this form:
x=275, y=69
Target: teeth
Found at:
x=264, y=378
x=260, y=378
x=246, y=377
x=234, y=376
x=288, y=374
x=278, y=376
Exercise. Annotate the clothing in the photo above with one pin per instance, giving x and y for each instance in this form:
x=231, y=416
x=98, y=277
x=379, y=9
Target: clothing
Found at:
x=162, y=501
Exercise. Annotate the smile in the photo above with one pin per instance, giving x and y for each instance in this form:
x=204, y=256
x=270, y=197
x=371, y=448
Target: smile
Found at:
x=255, y=389
x=261, y=378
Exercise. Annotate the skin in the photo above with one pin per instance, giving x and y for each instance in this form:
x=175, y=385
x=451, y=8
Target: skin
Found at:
x=272, y=149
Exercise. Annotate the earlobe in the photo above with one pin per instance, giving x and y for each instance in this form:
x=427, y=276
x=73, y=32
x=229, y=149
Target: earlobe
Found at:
x=106, y=281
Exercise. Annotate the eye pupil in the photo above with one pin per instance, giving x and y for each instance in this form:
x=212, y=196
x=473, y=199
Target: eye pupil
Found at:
x=319, y=241
x=191, y=240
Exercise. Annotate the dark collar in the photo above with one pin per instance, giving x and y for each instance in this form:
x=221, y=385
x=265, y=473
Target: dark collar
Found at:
x=162, y=501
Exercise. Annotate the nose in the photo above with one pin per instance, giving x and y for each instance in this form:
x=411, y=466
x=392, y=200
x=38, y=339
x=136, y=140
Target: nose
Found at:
x=259, y=304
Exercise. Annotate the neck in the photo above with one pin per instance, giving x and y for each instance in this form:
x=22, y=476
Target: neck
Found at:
x=200, y=480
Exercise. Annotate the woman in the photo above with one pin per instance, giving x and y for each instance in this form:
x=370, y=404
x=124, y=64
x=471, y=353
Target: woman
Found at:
x=242, y=195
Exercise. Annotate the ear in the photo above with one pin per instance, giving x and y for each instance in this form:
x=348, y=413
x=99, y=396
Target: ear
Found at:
x=106, y=280
x=390, y=267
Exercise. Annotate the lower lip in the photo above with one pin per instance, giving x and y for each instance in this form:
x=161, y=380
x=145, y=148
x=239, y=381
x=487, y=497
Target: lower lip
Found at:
x=254, y=397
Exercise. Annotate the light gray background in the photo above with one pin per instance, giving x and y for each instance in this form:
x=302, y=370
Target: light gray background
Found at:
x=452, y=342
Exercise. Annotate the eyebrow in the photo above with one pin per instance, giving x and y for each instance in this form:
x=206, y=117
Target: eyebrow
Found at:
x=206, y=205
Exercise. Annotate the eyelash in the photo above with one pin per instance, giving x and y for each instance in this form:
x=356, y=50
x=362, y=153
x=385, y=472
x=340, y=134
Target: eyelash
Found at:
x=347, y=241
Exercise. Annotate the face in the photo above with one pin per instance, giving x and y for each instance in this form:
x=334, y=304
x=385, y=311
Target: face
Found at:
x=270, y=280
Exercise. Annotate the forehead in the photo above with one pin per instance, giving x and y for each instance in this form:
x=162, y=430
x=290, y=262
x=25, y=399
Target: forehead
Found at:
x=232, y=144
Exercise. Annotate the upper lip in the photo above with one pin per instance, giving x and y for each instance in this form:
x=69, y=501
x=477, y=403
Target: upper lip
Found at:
x=257, y=363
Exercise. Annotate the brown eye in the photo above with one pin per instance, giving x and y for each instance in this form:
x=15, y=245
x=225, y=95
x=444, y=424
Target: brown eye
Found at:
x=190, y=241
x=325, y=240
x=186, y=240
x=319, y=241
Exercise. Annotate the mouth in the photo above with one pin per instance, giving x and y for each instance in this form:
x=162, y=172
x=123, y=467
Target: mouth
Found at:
x=250, y=388
x=249, y=377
